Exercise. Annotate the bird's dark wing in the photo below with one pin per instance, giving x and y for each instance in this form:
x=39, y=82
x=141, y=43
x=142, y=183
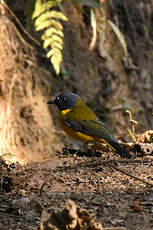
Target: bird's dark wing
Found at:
x=90, y=127
x=98, y=130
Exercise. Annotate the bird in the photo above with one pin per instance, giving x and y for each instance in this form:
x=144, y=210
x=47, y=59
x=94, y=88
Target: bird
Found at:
x=82, y=124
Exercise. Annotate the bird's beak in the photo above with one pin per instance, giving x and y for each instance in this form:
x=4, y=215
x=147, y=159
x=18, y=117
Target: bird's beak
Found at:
x=50, y=102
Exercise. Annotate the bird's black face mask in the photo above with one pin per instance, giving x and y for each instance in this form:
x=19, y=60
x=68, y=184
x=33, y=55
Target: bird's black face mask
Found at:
x=65, y=101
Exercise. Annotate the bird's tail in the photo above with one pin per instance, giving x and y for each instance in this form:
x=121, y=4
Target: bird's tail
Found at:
x=114, y=145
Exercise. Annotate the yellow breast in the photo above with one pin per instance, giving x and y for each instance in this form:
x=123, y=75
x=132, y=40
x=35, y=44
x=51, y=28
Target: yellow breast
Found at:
x=79, y=112
x=75, y=134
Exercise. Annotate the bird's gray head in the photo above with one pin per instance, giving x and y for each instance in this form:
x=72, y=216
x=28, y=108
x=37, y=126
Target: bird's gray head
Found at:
x=65, y=101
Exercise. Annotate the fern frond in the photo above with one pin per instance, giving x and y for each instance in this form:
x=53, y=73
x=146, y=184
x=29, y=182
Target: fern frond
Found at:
x=56, y=59
x=120, y=37
x=49, y=23
x=52, y=52
x=57, y=45
x=41, y=7
x=51, y=40
x=50, y=14
x=46, y=19
x=50, y=31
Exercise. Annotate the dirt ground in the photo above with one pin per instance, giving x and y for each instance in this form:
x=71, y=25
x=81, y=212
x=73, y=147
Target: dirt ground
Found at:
x=117, y=200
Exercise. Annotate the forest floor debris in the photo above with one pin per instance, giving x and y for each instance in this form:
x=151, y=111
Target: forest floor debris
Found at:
x=117, y=200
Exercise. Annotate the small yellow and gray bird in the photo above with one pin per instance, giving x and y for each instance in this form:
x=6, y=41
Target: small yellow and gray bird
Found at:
x=81, y=123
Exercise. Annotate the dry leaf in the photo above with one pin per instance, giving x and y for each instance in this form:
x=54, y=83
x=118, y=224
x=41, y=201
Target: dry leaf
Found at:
x=71, y=217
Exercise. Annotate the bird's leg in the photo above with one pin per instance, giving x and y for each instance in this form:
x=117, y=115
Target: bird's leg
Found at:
x=82, y=146
x=99, y=146
x=95, y=146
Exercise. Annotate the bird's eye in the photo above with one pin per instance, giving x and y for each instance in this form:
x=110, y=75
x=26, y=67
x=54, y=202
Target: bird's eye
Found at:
x=64, y=98
x=58, y=98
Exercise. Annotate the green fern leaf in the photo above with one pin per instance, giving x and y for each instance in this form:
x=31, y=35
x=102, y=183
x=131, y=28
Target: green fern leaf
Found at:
x=47, y=42
x=50, y=14
x=46, y=19
x=49, y=23
x=50, y=41
x=50, y=31
x=56, y=60
x=57, y=45
x=56, y=38
x=53, y=52
x=120, y=37
x=41, y=7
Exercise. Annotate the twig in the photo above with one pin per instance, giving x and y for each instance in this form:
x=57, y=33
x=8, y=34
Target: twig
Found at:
x=132, y=176
x=106, y=162
x=41, y=189
x=133, y=122
x=94, y=29
x=19, y=23
x=3, y=213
